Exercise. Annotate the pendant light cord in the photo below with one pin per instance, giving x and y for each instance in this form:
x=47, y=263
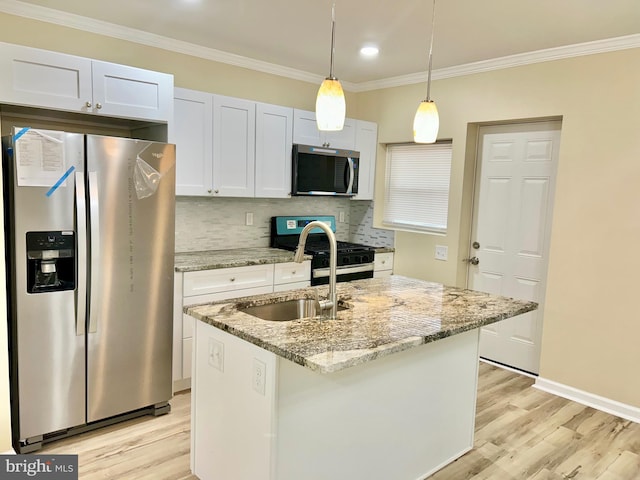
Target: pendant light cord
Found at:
x=433, y=24
x=333, y=38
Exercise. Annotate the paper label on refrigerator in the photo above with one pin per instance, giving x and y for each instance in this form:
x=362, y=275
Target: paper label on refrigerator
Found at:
x=40, y=159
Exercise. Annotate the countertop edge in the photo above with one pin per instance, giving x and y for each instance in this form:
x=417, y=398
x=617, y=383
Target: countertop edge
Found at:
x=358, y=358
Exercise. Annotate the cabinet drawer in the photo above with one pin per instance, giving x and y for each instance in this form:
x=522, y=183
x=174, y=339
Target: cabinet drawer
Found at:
x=383, y=261
x=285, y=287
x=292, y=272
x=227, y=279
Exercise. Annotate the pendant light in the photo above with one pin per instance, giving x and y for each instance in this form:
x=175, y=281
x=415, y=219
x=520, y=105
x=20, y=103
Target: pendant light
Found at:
x=330, y=104
x=426, y=122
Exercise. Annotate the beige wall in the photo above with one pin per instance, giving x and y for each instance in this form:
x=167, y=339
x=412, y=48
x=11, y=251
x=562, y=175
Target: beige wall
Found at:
x=591, y=320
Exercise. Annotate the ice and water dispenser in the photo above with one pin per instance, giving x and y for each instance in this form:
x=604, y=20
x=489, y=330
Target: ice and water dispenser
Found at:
x=51, y=261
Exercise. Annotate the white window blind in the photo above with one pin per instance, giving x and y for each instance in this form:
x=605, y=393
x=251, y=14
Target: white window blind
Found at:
x=417, y=187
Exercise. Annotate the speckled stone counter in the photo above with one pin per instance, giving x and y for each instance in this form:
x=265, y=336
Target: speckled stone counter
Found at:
x=383, y=316
x=237, y=257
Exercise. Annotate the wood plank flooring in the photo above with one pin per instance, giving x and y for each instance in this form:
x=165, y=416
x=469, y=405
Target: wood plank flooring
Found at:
x=521, y=433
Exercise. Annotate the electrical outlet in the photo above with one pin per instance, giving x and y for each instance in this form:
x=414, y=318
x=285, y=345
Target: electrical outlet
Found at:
x=341, y=217
x=248, y=219
x=216, y=354
x=258, y=379
x=441, y=252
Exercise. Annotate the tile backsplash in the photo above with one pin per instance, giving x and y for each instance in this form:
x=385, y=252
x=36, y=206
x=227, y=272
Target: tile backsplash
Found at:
x=219, y=223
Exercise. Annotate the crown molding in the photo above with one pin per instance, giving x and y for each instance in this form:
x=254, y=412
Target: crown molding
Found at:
x=78, y=22
x=538, y=56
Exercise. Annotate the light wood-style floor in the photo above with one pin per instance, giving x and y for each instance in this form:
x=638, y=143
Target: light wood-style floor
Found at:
x=521, y=433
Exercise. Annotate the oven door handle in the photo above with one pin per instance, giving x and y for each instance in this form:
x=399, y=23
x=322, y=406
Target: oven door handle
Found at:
x=324, y=272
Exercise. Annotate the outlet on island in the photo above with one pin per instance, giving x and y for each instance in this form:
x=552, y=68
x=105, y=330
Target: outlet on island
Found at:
x=259, y=376
x=216, y=354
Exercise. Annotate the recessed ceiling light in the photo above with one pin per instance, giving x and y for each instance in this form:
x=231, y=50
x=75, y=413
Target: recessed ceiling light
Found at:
x=369, y=51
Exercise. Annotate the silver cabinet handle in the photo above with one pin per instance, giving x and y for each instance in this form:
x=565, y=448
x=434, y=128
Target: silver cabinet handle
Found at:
x=96, y=287
x=232, y=279
x=81, y=229
x=98, y=106
x=293, y=273
x=87, y=104
x=472, y=260
x=216, y=191
x=209, y=191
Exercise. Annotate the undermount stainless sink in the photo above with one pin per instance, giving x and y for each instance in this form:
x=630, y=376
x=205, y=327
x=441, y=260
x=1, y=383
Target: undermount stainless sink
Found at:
x=287, y=310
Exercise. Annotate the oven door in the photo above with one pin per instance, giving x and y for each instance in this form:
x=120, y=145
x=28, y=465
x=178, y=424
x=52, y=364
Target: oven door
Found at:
x=320, y=276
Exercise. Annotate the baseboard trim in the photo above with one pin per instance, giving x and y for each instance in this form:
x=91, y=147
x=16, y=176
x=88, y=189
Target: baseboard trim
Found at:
x=604, y=404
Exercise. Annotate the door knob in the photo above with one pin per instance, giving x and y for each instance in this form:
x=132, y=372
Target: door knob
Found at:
x=472, y=260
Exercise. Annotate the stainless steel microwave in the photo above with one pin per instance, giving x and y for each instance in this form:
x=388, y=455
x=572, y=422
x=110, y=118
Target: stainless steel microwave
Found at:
x=324, y=171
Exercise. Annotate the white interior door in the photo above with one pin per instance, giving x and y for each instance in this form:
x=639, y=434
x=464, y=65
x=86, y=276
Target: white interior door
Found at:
x=515, y=184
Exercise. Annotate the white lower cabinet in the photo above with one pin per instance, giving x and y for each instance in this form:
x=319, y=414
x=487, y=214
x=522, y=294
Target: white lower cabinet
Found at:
x=191, y=288
x=383, y=265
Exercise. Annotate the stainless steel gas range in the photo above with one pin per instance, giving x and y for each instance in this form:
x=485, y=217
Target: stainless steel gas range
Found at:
x=355, y=261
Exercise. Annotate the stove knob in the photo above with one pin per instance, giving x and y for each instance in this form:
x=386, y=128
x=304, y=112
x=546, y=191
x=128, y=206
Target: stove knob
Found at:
x=357, y=259
x=346, y=261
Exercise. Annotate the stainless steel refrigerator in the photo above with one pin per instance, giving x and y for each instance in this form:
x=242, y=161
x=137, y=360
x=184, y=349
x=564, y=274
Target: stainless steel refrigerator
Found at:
x=89, y=224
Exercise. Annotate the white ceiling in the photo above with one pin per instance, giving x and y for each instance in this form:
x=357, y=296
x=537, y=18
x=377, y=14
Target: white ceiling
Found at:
x=296, y=33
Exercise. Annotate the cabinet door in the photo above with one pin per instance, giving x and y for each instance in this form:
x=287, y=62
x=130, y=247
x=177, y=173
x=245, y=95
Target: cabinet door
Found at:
x=344, y=139
x=305, y=129
x=274, y=142
x=367, y=145
x=129, y=92
x=192, y=134
x=234, y=138
x=29, y=76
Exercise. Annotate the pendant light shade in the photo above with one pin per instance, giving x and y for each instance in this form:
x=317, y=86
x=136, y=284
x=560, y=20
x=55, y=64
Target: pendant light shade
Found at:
x=426, y=121
x=330, y=104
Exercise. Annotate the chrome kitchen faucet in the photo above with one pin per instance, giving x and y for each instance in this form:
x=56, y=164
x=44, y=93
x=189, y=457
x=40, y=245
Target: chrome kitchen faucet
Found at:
x=332, y=303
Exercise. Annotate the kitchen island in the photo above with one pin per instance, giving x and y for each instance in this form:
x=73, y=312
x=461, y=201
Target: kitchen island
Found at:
x=385, y=391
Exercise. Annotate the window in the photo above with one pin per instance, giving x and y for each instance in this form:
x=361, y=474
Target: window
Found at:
x=417, y=187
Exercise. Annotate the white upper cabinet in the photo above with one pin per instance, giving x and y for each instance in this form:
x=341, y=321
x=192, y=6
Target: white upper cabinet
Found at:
x=122, y=91
x=367, y=145
x=274, y=143
x=40, y=78
x=234, y=140
x=305, y=131
x=192, y=133
x=230, y=147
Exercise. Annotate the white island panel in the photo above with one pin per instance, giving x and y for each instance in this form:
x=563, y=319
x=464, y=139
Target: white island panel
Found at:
x=402, y=416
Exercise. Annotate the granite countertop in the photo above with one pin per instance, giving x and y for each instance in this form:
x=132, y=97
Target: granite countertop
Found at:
x=384, y=315
x=385, y=249
x=237, y=257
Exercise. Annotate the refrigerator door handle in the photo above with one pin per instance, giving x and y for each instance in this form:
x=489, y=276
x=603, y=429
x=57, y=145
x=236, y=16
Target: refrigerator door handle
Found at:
x=81, y=229
x=95, y=286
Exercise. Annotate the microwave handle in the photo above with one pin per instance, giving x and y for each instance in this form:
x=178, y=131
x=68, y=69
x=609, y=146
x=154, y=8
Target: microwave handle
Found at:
x=351, y=176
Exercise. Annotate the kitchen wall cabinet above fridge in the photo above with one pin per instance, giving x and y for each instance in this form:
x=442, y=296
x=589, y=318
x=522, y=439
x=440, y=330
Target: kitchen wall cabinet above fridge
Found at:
x=231, y=147
x=40, y=78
